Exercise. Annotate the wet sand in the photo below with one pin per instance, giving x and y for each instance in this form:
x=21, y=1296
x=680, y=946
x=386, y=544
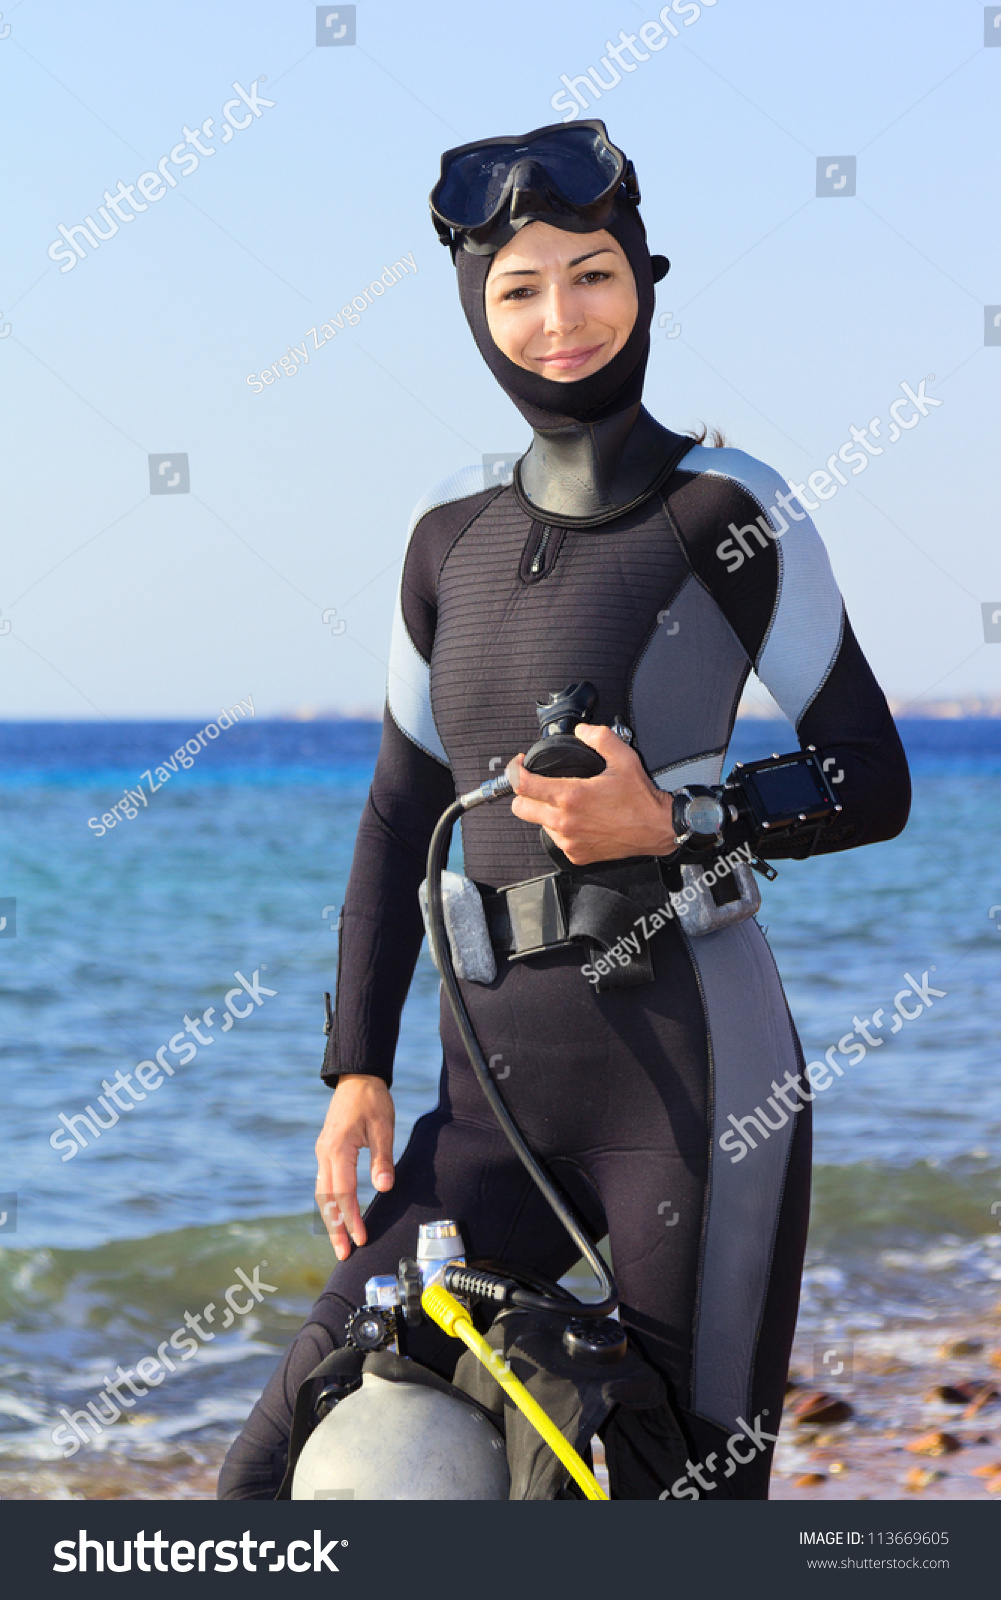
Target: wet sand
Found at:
x=894, y=1405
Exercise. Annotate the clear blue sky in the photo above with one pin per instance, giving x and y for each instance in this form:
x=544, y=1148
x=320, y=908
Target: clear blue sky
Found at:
x=799, y=317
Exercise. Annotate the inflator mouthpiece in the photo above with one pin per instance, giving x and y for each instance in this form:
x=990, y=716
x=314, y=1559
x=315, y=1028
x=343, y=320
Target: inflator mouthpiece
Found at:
x=559, y=753
x=493, y=789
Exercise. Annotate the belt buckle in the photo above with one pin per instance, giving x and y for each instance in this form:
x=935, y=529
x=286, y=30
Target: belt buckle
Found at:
x=537, y=915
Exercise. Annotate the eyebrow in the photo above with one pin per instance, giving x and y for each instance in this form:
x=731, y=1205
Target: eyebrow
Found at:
x=533, y=272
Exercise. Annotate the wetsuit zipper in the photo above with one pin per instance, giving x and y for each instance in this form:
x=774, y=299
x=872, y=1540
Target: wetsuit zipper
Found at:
x=540, y=563
x=538, y=560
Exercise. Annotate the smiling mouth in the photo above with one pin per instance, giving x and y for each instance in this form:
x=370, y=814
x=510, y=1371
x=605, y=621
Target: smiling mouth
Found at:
x=568, y=360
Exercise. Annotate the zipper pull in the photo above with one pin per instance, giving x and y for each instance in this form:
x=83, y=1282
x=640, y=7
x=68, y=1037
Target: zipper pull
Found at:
x=538, y=560
x=765, y=868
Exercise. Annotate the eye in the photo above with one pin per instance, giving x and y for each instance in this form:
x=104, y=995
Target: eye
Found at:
x=594, y=276
x=523, y=292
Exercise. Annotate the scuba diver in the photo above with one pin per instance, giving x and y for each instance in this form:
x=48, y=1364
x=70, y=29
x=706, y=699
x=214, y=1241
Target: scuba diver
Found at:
x=629, y=1059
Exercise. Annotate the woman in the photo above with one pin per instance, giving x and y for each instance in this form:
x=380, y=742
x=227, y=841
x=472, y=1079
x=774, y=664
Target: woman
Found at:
x=602, y=562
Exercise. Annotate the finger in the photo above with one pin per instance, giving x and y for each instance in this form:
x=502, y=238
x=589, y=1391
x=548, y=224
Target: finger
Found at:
x=351, y=1212
x=602, y=739
x=547, y=791
x=380, y=1138
x=333, y=1221
x=344, y=1171
x=514, y=770
x=555, y=821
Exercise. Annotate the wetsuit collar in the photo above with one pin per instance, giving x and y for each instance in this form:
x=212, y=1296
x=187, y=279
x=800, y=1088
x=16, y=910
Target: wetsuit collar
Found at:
x=585, y=473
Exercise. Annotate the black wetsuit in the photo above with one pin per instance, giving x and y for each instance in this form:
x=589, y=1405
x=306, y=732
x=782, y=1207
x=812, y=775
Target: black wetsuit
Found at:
x=508, y=593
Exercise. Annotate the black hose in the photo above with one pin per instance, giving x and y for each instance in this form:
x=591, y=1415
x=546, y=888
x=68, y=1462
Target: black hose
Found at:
x=442, y=954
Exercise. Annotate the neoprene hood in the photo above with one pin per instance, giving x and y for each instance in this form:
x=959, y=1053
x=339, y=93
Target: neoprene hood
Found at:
x=544, y=402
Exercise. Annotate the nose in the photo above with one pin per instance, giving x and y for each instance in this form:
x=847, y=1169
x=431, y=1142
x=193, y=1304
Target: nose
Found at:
x=562, y=312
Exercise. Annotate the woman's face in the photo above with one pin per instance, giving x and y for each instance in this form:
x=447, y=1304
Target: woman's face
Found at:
x=560, y=304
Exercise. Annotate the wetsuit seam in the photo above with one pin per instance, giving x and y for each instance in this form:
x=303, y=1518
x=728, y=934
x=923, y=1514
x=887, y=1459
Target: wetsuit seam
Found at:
x=759, y=1328
x=707, y=1196
x=696, y=755
x=437, y=585
x=777, y=1215
x=753, y=660
x=464, y=529
x=829, y=668
x=700, y=755
x=735, y=700
x=416, y=742
x=590, y=1181
x=648, y=645
x=526, y=1195
x=697, y=577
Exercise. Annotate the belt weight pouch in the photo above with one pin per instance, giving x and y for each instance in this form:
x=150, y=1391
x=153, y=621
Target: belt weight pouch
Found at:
x=466, y=926
x=729, y=896
x=597, y=906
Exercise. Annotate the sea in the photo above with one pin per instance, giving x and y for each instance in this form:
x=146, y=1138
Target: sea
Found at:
x=227, y=883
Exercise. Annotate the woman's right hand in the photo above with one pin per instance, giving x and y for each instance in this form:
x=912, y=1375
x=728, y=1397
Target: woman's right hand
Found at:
x=361, y=1115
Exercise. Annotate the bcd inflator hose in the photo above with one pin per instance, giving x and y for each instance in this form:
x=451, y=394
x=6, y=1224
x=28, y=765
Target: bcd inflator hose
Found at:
x=559, y=1302
x=478, y=1285
x=454, y=1320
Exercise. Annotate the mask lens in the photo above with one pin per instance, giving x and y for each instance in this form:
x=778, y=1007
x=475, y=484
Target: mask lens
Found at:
x=578, y=162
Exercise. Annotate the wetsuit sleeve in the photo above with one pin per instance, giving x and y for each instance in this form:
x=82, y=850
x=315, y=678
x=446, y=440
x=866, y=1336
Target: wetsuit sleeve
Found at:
x=756, y=550
x=381, y=929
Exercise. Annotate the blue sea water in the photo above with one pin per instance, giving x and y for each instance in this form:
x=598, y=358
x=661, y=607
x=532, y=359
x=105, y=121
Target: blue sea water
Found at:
x=238, y=865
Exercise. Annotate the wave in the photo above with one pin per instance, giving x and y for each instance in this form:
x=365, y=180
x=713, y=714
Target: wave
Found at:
x=861, y=1212
x=146, y=1284
x=871, y=1205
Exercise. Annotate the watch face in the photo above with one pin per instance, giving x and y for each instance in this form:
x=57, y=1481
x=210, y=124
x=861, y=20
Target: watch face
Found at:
x=704, y=814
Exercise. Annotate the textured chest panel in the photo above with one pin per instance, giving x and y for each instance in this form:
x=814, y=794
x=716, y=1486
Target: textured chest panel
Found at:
x=502, y=644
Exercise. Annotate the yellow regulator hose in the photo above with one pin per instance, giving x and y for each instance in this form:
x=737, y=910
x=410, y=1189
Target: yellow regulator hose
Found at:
x=454, y=1320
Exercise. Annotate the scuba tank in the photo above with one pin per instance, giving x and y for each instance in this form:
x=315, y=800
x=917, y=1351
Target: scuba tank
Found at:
x=396, y=1440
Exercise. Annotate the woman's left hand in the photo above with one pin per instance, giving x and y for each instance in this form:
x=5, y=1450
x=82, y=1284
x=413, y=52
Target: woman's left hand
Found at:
x=619, y=813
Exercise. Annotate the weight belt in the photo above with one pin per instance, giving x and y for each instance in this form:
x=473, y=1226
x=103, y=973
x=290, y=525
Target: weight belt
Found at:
x=594, y=905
